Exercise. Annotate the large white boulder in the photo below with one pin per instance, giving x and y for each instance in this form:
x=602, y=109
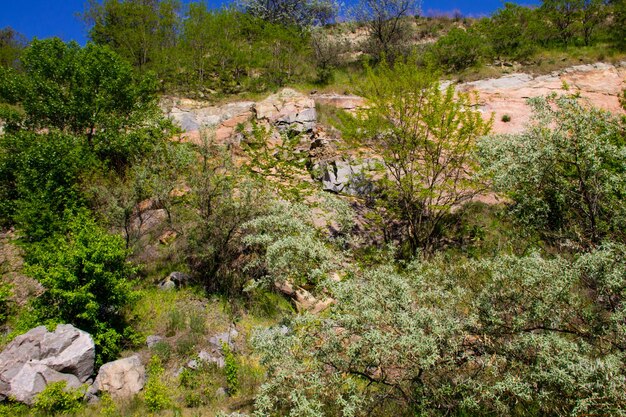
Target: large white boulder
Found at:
x=35, y=359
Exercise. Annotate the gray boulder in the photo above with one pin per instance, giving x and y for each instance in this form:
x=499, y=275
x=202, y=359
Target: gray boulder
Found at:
x=224, y=338
x=35, y=359
x=206, y=357
x=153, y=340
x=179, y=278
x=122, y=378
x=343, y=177
x=175, y=280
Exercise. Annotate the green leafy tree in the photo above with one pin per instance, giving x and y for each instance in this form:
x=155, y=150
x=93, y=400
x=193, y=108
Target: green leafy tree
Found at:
x=425, y=136
x=40, y=176
x=143, y=31
x=618, y=23
x=510, y=31
x=592, y=14
x=89, y=92
x=564, y=16
x=566, y=173
x=87, y=282
x=228, y=51
x=458, y=49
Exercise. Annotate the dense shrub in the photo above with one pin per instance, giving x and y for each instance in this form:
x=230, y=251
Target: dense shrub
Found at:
x=40, y=177
x=91, y=93
x=231, y=52
x=87, y=283
x=511, y=31
x=288, y=246
x=566, y=173
x=458, y=49
x=56, y=398
x=497, y=336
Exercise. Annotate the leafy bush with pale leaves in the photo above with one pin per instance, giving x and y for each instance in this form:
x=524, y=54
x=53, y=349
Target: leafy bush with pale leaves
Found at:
x=566, y=173
x=503, y=336
x=290, y=247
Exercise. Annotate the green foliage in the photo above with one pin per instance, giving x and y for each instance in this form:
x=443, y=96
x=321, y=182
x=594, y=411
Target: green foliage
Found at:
x=186, y=344
x=163, y=350
x=200, y=385
x=231, y=367
x=156, y=394
x=11, y=45
x=511, y=31
x=5, y=300
x=565, y=173
x=140, y=31
x=302, y=13
x=502, y=336
x=289, y=246
x=89, y=92
x=458, y=49
x=87, y=283
x=176, y=322
x=13, y=409
x=57, y=398
x=40, y=181
x=214, y=51
x=197, y=324
x=425, y=137
x=618, y=27
x=232, y=52
x=225, y=200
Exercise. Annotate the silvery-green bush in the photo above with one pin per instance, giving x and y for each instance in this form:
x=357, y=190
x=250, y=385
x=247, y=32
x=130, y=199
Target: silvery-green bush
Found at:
x=566, y=174
x=504, y=336
x=289, y=246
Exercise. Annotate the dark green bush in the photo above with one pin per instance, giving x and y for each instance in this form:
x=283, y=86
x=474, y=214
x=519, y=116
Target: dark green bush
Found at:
x=5, y=301
x=87, y=282
x=458, y=50
x=40, y=181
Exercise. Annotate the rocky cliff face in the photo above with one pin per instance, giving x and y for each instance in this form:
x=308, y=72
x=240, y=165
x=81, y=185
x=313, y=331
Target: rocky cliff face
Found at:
x=290, y=111
x=600, y=84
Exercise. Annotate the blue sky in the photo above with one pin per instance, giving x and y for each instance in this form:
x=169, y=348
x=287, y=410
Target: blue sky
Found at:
x=45, y=18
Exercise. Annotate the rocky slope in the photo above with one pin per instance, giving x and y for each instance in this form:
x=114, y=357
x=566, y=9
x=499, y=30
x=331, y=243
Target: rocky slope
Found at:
x=599, y=83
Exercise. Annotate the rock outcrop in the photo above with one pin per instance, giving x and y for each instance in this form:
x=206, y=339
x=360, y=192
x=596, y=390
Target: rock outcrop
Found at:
x=122, y=378
x=35, y=359
x=287, y=110
x=599, y=83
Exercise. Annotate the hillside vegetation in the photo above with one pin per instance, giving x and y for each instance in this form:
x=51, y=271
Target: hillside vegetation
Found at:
x=394, y=257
